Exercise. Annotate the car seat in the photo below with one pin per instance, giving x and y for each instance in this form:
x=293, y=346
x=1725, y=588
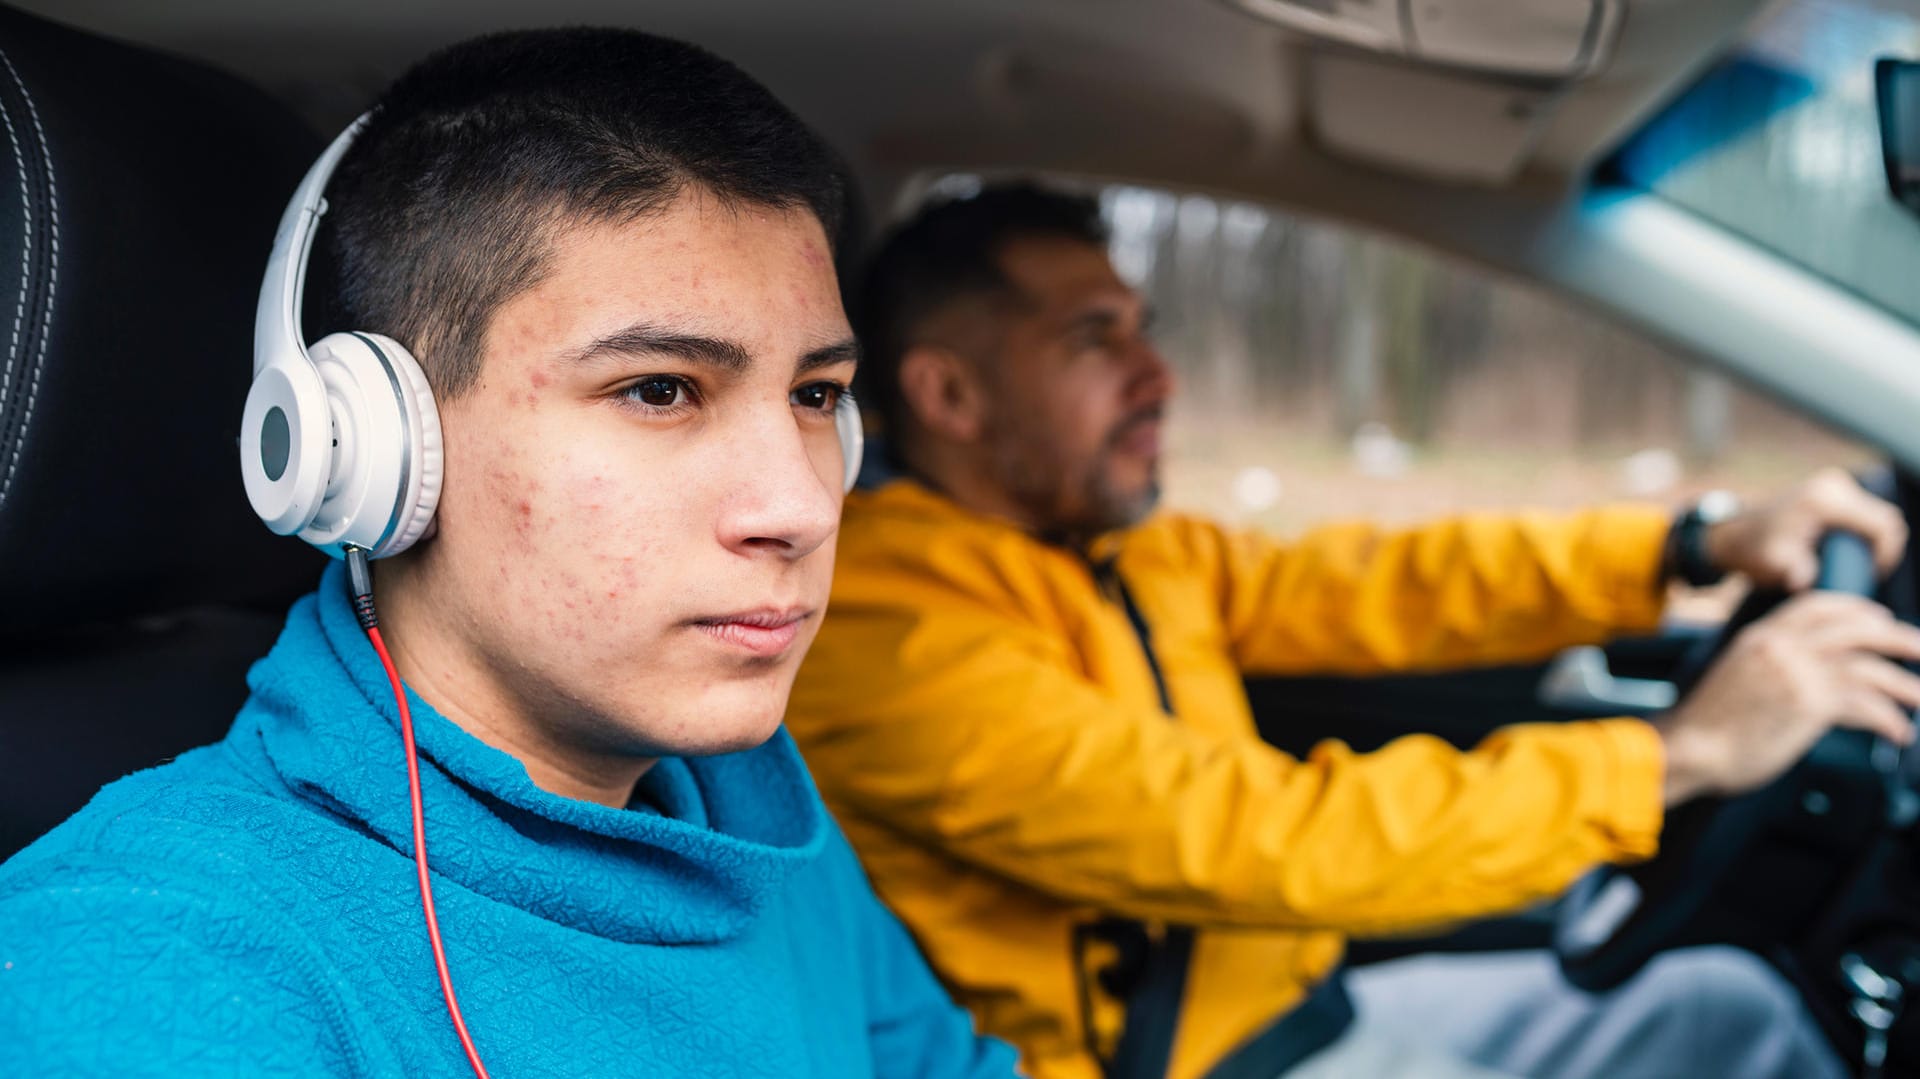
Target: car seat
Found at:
x=138, y=197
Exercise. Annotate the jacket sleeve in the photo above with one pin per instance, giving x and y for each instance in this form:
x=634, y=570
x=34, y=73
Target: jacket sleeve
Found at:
x=1470, y=590
x=979, y=737
x=914, y=1029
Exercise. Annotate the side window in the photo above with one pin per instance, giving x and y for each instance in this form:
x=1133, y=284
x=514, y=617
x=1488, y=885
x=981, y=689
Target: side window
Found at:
x=1329, y=374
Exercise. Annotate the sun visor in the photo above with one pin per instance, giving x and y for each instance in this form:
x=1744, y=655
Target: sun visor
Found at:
x=1425, y=121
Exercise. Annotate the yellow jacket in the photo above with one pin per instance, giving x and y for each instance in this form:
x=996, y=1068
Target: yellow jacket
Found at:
x=984, y=721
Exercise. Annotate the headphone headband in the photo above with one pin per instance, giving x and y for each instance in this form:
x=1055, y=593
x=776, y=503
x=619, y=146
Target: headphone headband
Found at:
x=276, y=322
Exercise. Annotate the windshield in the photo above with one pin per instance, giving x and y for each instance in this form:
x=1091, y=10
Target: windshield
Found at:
x=1781, y=143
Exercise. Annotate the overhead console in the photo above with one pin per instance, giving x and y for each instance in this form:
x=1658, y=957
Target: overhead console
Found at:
x=1537, y=39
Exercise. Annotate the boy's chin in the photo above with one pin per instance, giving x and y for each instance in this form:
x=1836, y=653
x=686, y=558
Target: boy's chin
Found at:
x=722, y=731
x=726, y=718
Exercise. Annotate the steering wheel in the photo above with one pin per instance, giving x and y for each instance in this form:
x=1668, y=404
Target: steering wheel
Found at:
x=1617, y=919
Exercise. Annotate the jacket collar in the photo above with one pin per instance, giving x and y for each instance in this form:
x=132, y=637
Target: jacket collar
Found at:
x=912, y=495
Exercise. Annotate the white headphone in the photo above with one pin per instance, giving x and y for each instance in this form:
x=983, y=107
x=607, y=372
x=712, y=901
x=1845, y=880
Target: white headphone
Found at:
x=340, y=441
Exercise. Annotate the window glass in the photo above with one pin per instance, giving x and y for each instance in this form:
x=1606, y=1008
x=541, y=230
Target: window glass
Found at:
x=1780, y=142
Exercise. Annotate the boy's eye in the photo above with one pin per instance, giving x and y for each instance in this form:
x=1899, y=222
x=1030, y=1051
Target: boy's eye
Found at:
x=820, y=396
x=659, y=391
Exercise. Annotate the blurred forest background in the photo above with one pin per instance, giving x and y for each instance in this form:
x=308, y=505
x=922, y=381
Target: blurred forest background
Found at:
x=1327, y=373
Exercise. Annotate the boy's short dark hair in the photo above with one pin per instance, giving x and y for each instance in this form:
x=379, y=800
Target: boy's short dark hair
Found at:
x=443, y=208
x=950, y=251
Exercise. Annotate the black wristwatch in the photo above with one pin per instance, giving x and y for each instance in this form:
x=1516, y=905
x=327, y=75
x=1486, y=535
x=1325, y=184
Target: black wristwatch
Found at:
x=1686, y=553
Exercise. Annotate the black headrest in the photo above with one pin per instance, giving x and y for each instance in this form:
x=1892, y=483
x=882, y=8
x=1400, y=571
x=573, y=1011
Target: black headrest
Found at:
x=138, y=198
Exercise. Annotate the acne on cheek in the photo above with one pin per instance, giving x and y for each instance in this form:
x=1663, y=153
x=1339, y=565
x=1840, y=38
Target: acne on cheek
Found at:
x=566, y=628
x=589, y=511
x=624, y=576
x=564, y=616
x=511, y=488
x=620, y=579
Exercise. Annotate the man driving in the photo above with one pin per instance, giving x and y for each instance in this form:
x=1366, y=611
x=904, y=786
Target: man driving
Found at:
x=1027, y=709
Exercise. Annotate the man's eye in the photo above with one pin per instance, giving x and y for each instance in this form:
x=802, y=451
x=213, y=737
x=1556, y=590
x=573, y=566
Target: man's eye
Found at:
x=819, y=396
x=659, y=391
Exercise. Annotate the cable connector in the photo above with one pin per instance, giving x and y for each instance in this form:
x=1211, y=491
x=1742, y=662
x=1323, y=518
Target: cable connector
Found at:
x=360, y=586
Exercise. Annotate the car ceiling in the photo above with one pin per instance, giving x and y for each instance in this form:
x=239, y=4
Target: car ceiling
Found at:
x=1193, y=93
x=1199, y=95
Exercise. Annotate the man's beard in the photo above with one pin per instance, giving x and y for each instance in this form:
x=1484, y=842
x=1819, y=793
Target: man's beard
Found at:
x=1071, y=505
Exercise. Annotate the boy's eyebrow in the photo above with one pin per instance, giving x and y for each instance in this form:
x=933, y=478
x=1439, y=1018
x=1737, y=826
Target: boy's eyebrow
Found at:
x=646, y=339
x=847, y=351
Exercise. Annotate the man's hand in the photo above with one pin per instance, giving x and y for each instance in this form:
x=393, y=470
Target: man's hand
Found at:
x=1777, y=545
x=1817, y=662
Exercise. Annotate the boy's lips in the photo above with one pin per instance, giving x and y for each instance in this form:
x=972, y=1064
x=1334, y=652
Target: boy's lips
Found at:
x=763, y=632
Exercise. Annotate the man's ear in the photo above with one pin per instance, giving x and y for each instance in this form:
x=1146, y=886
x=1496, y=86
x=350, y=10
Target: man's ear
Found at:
x=943, y=391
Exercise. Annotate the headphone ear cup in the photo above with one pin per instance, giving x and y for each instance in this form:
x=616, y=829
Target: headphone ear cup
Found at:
x=853, y=438
x=385, y=481
x=417, y=511
x=285, y=444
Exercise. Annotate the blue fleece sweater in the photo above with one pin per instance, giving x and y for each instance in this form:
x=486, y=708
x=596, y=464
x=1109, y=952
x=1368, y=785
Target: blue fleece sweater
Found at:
x=251, y=909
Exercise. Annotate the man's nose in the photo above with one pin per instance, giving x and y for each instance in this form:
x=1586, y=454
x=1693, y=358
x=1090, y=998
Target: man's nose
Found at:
x=1153, y=379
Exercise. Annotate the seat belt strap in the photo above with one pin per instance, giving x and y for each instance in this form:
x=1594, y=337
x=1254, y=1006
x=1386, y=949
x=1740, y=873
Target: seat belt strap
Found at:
x=1312, y=1025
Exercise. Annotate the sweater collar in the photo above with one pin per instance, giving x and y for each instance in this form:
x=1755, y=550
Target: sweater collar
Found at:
x=730, y=831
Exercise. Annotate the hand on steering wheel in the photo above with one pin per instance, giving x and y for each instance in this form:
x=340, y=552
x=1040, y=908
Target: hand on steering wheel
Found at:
x=1781, y=682
x=1816, y=663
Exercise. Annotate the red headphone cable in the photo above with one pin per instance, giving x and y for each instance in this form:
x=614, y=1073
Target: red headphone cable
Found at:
x=360, y=580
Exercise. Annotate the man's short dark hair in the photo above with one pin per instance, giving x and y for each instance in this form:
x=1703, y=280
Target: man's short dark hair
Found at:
x=951, y=251
x=445, y=206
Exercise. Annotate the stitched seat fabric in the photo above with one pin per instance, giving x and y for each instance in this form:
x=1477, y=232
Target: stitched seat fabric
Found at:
x=138, y=198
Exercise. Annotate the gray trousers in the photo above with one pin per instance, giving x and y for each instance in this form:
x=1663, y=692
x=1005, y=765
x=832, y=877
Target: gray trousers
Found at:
x=1700, y=1013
